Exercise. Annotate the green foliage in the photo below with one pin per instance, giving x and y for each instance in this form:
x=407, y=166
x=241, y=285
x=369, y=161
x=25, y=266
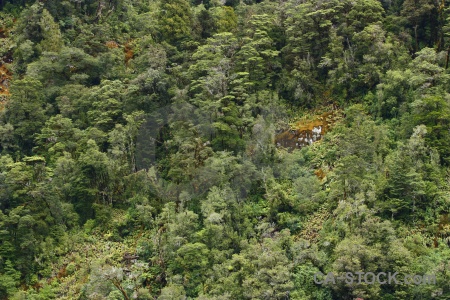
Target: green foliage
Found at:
x=9, y=280
x=175, y=21
x=52, y=40
x=225, y=214
x=25, y=111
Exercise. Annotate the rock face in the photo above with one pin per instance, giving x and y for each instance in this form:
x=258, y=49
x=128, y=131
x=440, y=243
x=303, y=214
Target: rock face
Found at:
x=304, y=133
x=5, y=77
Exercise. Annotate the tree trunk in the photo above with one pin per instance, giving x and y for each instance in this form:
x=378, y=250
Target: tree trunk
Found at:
x=101, y=6
x=416, y=37
x=448, y=56
x=120, y=288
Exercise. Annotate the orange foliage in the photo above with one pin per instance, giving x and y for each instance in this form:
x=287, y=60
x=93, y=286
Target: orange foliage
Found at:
x=62, y=272
x=5, y=74
x=128, y=52
x=324, y=120
x=111, y=44
x=313, y=225
x=320, y=174
x=5, y=77
x=37, y=286
x=443, y=231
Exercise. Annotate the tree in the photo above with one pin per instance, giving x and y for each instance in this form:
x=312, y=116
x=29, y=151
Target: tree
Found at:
x=57, y=137
x=260, y=270
x=175, y=21
x=408, y=191
x=95, y=168
x=9, y=280
x=173, y=291
x=422, y=15
x=225, y=18
x=70, y=64
x=25, y=111
x=52, y=39
x=107, y=105
x=32, y=215
x=210, y=87
x=433, y=111
x=362, y=14
x=191, y=262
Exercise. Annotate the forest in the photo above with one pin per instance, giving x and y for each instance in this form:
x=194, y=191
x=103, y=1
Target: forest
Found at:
x=223, y=149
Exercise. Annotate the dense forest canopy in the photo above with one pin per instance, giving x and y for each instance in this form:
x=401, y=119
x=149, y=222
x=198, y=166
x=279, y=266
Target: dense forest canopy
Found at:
x=223, y=149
